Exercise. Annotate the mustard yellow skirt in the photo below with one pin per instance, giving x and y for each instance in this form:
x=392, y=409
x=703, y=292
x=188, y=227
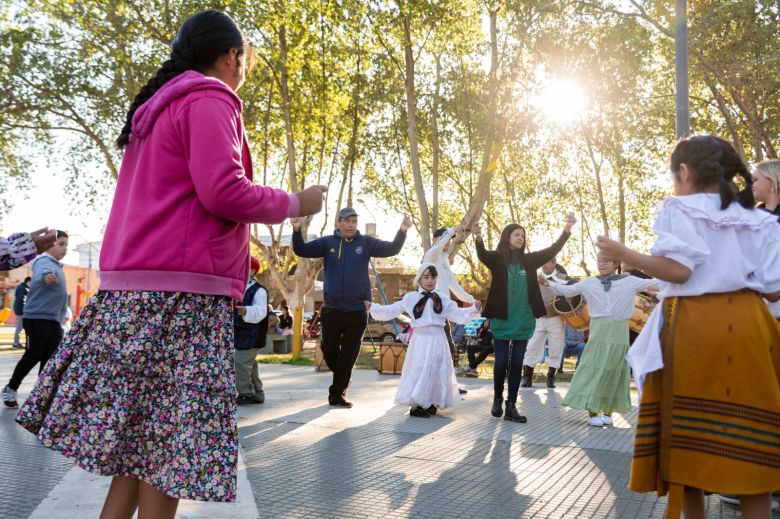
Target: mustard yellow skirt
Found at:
x=710, y=419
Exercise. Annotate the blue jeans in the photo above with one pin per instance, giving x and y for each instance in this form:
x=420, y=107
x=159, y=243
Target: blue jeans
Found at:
x=573, y=349
x=502, y=347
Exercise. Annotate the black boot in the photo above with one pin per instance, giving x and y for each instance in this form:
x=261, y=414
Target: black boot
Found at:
x=496, y=410
x=512, y=415
x=551, y=378
x=528, y=375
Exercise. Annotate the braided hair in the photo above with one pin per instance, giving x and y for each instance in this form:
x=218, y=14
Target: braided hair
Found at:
x=200, y=41
x=714, y=161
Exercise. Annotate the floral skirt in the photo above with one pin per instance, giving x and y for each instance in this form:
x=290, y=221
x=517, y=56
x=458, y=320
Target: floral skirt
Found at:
x=143, y=386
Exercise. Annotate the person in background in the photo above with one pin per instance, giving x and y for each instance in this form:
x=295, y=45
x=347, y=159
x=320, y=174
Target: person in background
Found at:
x=44, y=312
x=20, y=298
x=21, y=247
x=446, y=282
x=250, y=320
x=67, y=321
x=346, y=254
x=477, y=353
x=285, y=326
x=574, y=344
x=548, y=330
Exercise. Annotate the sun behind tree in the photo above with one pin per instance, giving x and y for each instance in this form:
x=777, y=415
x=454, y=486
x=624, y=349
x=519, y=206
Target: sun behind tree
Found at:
x=561, y=101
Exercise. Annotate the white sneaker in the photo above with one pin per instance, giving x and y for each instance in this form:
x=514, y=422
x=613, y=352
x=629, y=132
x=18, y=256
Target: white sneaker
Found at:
x=9, y=397
x=606, y=420
x=595, y=421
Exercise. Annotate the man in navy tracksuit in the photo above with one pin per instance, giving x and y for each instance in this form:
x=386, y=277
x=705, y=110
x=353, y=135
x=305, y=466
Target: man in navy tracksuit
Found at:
x=346, y=255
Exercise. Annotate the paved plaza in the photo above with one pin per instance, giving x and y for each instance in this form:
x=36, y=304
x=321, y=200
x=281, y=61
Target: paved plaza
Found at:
x=304, y=459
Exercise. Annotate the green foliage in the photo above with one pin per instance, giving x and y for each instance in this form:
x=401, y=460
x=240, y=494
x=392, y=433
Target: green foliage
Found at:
x=72, y=68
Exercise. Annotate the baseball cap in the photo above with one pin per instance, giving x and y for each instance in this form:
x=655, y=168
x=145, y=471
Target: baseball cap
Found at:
x=347, y=212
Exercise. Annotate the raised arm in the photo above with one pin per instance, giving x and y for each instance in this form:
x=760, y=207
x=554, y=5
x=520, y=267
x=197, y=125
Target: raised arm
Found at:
x=432, y=255
x=386, y=249
x=313, y=249
x=488, y=258
x=538, y=258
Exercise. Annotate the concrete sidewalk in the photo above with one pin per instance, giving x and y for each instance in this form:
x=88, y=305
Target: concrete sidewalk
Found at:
x=305, y=459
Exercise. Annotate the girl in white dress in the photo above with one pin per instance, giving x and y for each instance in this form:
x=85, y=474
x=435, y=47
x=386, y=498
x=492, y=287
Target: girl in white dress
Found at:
x=428, y=378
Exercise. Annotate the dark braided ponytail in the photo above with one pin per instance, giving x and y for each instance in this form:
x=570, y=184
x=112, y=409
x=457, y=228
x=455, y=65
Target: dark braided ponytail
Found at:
x=714, y=161
x=202, y=38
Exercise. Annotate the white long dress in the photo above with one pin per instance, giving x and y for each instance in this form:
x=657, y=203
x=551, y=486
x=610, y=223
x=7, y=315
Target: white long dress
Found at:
x=427, y=377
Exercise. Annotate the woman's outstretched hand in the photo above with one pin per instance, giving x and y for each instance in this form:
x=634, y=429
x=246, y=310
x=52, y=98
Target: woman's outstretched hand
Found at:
x=311, y=200
x=570, y=221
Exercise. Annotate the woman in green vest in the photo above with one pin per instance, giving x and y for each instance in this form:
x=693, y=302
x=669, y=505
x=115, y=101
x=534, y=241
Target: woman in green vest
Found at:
x=514, y=302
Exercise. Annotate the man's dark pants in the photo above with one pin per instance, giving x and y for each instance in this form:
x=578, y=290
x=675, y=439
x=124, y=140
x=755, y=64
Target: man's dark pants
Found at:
x=342, y=334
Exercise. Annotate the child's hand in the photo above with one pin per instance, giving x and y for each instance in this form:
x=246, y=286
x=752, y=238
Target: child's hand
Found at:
x=241, y=310
x=368, y=304
x=296, y=223
x=614, y=250
x=544, y=281
x=476, y=230
x=311, y=200
x=50, y=279
x=43, y=239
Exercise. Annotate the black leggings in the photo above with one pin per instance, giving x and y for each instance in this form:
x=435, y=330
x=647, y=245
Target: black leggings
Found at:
x=502, y=348
x=43, y=337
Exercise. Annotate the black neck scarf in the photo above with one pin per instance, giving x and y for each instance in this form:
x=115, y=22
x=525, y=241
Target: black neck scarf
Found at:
x=420, y=306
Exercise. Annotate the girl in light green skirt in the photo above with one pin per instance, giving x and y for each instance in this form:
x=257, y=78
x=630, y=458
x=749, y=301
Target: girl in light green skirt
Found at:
x=601, y=382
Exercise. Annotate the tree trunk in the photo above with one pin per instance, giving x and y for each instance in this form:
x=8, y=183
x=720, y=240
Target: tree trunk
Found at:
x=435, y=143
x=285, y=92
x=597, y=172
x=411, y=122
x=493, y=138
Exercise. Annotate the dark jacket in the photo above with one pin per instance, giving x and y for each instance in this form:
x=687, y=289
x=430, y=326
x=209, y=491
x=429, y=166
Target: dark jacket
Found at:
x=497, y=303
x=20, y=298
x=250, y=335
x=346, y=265
x=776, y=212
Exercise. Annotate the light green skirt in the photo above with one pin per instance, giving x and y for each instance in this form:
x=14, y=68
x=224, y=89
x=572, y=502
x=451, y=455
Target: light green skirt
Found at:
x=601, y=382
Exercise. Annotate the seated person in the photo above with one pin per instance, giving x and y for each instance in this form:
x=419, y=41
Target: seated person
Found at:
x=459, y=334
x=574, y=344
x=483, y=347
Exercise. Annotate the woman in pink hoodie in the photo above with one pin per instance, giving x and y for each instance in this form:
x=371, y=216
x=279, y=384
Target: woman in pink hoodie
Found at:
x=143, y=388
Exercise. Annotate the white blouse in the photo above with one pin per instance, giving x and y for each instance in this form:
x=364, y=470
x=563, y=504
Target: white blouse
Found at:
x=726, y=250
x=446, y=280
x=617, y=304
x=450, y=311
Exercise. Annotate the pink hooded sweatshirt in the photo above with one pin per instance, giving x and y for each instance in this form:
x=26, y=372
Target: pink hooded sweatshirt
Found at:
x=185, y=197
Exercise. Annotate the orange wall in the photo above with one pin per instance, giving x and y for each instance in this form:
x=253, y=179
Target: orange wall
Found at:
x=74, y=276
